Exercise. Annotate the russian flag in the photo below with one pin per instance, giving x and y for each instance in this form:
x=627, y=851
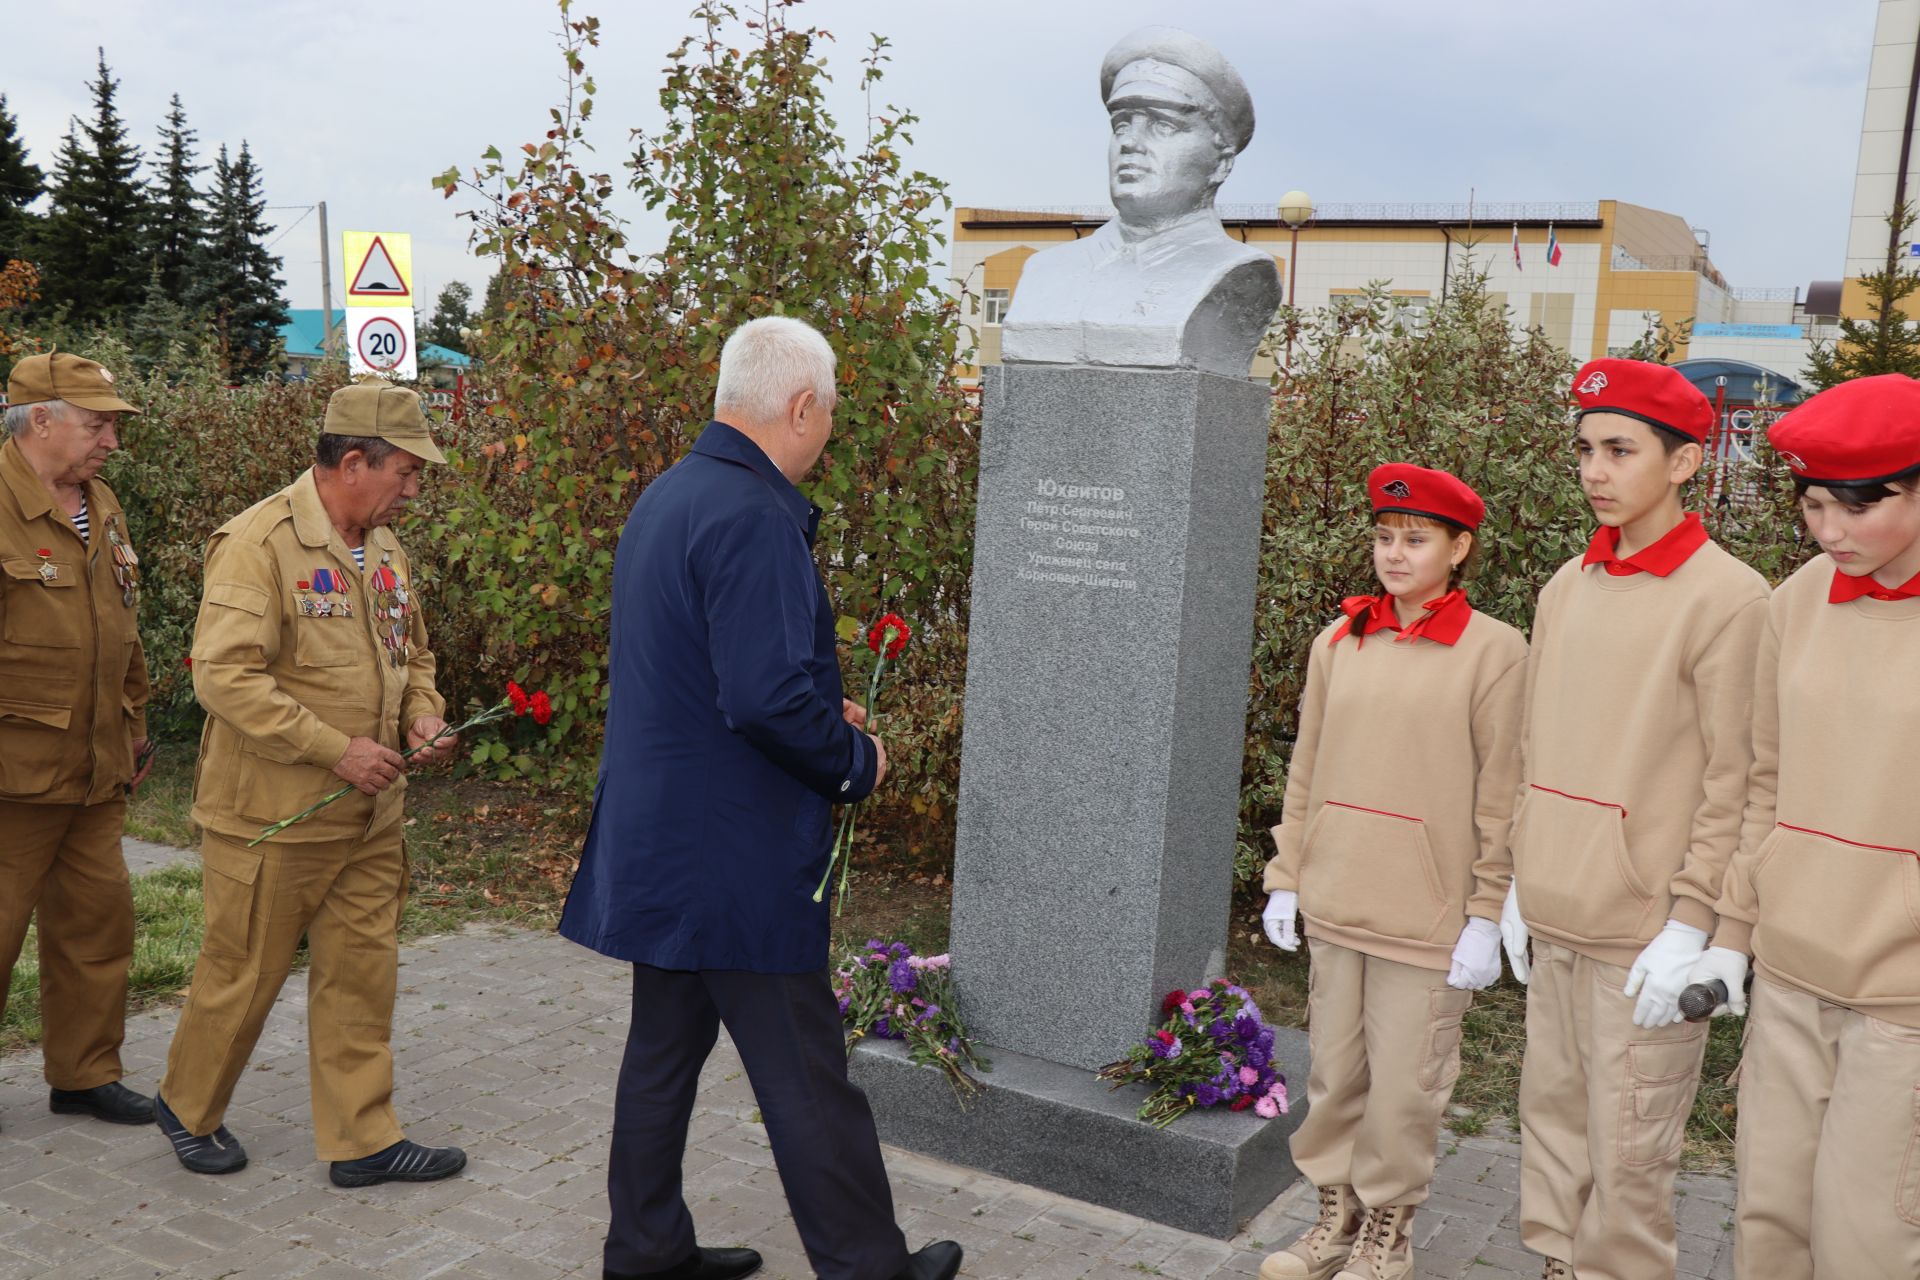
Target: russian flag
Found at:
x=1553, y=247
x=1517, y=265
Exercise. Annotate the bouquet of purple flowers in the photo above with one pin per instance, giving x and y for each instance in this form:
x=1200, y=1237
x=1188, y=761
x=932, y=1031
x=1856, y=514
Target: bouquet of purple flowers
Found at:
x=886, y=990
x=1213, y=1050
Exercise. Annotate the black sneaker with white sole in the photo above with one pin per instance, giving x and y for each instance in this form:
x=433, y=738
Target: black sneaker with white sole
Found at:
x=402, y=1162
x=217, y=1152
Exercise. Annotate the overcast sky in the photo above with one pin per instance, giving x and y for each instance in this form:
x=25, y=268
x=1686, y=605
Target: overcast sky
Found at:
x=1742, y=116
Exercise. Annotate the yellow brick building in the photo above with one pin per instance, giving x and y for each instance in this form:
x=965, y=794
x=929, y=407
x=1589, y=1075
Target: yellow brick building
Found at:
x=1621, y=266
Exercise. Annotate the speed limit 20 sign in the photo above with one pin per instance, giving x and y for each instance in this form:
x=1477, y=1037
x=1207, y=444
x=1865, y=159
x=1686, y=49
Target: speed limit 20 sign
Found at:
x=380, y=340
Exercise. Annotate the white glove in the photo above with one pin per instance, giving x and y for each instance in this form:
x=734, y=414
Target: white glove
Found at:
x=1278, y=919
x=1660, y=974
x=1513, y=932
x=1730, y=967
x=1476, y=957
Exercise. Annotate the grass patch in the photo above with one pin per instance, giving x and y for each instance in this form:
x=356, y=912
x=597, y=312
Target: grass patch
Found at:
x=166, y=941
x=162, y=811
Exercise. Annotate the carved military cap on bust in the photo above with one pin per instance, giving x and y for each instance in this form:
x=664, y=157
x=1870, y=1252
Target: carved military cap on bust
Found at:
x=1159, y=58
x=1162, y=284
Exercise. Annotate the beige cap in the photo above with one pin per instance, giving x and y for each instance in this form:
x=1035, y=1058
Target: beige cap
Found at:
x=373, y=407
x=59, y=375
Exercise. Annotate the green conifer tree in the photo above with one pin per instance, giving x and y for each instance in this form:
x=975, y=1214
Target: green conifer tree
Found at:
x=236, y=280
x=90, y=249
x=159, y=328
x=21, y=183
x=1885, y=342
x=178, y=221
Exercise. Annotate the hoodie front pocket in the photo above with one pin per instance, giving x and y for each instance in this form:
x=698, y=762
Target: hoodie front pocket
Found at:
x=1373, y=870
x=1840, y=915
x=1571, y=864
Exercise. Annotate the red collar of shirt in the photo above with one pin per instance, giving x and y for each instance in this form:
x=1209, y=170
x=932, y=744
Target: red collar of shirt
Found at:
x=1659, y=559
x=1444, y=620
x=1847, y=587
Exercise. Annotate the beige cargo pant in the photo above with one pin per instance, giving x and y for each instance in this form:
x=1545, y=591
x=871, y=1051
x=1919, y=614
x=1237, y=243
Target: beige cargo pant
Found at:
x=1829, y=1143
x=1384, y=1040
x=63, y=861
x=345, y=896
x=1603, y=1118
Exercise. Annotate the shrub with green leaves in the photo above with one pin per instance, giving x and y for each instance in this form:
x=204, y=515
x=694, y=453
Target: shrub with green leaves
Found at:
x=1462, y=391
x=604, y=360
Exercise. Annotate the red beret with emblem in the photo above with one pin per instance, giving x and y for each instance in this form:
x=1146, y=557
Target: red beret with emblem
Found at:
x=1656, y=394
x=1866, y=431
x=1417, y=491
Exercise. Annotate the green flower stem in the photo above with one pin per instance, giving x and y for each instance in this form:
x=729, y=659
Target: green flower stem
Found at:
x=499, y=711
x=843, y=841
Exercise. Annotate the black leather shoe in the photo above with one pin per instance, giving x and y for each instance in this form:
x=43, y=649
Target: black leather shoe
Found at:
x=217, y=1152
x=705, y=1264
x=938, y=1261
x=402, y=1162
x=112, y=1102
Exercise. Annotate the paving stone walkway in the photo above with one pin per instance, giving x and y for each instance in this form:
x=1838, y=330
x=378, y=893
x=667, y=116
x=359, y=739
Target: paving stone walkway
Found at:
x=507, y=1043
x=143, y=855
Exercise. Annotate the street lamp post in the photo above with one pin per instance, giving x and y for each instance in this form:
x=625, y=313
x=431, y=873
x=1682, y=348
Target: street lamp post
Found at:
x=1295, y=208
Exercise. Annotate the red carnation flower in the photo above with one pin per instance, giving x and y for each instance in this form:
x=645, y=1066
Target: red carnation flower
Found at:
x=890, y=635
x=1164, y=1036
x=1173, y=1001
x=1241, y=1103
x=518, y=697
x=541, y=708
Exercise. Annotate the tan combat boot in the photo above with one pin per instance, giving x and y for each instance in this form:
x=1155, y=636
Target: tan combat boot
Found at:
x=1324, y=1248
x=1385, y=1248
x=1556, y=1270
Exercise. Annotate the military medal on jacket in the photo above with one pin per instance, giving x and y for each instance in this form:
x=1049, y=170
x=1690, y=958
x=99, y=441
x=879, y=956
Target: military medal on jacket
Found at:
x=314, y=594
x=392, y=606
x=126, y=564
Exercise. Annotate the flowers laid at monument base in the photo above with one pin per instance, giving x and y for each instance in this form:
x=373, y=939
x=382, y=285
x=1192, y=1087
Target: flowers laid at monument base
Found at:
x=887, y=991
x=1213, y=1050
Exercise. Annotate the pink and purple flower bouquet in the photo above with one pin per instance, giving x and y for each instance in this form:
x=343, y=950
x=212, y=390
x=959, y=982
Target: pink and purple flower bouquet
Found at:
x=885, y=990
x=1212, y=1050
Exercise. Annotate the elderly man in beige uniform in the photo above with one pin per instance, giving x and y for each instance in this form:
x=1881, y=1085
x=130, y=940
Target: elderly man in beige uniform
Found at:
x=73, y=737
x=311, y=659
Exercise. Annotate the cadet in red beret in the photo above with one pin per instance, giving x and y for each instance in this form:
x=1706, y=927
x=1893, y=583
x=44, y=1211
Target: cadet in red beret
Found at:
x=1825, y=890
x=1637, y=754
x=1392, y=844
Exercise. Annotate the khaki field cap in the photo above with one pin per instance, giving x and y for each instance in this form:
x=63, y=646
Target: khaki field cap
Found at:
x=60, y=375
x=372, y=407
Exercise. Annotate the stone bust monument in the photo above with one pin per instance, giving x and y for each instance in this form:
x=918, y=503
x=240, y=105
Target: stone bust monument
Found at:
x=1162, y=284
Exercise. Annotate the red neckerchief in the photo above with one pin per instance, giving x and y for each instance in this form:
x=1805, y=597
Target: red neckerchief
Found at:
x=1847, y=587
x=1443, y=622
x=1659, y=559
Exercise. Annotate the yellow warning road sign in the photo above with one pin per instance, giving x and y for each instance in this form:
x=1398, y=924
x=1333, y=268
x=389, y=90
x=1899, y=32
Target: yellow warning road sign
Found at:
x=380, y=267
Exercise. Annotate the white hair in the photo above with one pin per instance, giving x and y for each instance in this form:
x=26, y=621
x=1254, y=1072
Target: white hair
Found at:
x=767, y=362
x=20, y=415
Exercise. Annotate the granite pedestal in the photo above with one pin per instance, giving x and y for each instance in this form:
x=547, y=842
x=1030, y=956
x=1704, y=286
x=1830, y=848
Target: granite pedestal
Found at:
x=1059, y=1128
x=1115, y=558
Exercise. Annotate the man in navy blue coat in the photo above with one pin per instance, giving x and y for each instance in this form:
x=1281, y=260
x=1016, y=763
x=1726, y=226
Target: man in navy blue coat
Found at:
x=728, y=741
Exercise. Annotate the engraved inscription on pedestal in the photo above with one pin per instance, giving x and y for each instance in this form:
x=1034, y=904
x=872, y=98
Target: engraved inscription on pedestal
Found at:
x=1080, y=535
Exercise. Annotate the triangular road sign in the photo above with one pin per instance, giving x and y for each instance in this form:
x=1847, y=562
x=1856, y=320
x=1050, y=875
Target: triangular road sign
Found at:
x=378, y=277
